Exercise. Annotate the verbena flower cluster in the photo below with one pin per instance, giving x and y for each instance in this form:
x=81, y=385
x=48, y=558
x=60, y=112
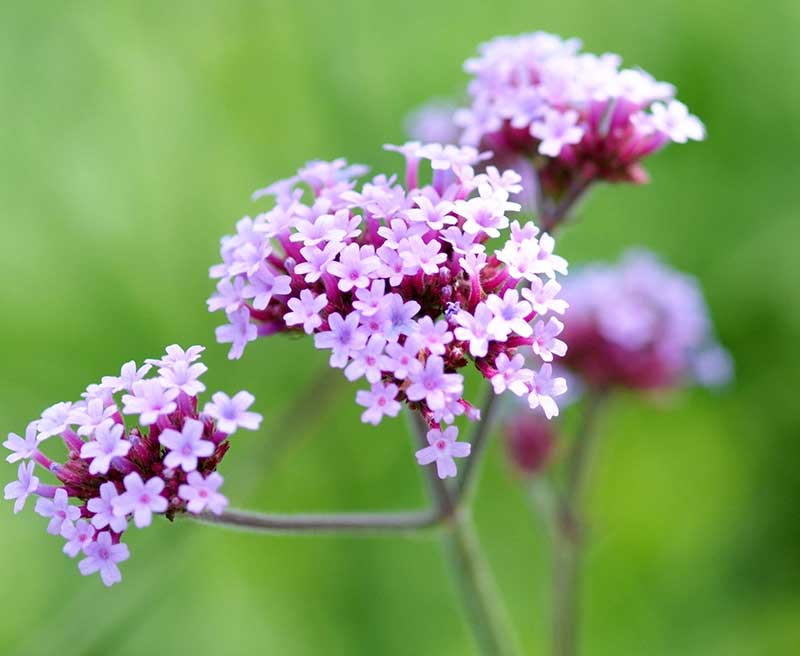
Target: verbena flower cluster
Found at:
x=585, y=116
x=640, y=324
x=401, y=284
x=117, y=471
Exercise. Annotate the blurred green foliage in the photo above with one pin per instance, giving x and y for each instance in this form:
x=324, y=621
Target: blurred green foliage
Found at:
x=132, y=136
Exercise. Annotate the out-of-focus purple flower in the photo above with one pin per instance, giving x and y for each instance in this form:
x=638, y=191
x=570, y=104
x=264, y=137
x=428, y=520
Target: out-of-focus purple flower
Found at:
x=639, y=324
x=530, y=439
x=433, y=122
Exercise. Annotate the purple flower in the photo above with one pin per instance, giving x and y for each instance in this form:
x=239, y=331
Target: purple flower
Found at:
x=55, y=420
x=264, y=285
x=92, y=415
x=434, y=336
x=379, y=400
x=58, y=510
x=128, y=375
x=229, y=297
x=78, y=536
x=23, y=487
x=366, y=362
x=140, y=499
x=370, y=300
x=184, y=377
x=102, y=556
x=543, y=390
x=556, y=130
x=442, y=450
x=150, y=400
x=343, y=338
x=475, y=329
x=231, y=413
x=418, y=255
x=435, y=216
x=201, y=493
x=22, y=449
x=433, y=385
x=175, y=354
x=511, y=375
x=545, y=344
x=106, y=445
x=185, y=447
x=402, y=359
x=542, y=297
x=103, y=509
x=676, y=122
x=354, y=267
x=317, y=261
x=238, y=332
x=400, y=315
x=306, y=310
x=509, y=315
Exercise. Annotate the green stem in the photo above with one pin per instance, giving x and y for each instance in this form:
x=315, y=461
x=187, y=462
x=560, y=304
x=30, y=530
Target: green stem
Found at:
x=485, y=612
x=475, y=585
x=568, y=535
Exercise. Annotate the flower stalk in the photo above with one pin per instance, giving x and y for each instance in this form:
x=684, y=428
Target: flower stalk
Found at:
x=568, y=533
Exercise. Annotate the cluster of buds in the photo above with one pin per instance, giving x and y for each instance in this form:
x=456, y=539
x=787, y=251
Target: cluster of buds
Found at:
x=581, y=116
x=117, y=473
x=641, y=325
x=400, y=284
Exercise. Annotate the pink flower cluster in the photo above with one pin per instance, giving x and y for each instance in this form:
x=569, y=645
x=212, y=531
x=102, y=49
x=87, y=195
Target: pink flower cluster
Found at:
x=118, y=472
x=588, y=118
x=642, y=325
x=400, y=284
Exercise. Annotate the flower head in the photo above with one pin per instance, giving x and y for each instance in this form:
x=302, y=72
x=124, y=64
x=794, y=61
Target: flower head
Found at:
x=639, y=324
x=118, y=471
x=582, y=116
x=399, y=282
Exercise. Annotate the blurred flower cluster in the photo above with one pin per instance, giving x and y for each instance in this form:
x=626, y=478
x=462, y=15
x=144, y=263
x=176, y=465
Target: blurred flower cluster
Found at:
x=401, y=285
x=636, y=324
x=119, y=472
x=640, y=324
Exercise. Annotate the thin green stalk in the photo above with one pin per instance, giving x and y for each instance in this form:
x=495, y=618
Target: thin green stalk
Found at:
x=568, y=534
x=474, y=583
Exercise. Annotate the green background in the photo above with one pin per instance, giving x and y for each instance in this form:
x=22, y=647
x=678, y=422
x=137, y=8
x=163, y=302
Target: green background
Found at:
x=132, y=135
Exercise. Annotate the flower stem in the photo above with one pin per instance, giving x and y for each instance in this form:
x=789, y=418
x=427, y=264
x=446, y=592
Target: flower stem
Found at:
x=480, y=438
x=477, y=590
x=397, y=522
x=551, y=219
x=568, y=534
x=474, y=582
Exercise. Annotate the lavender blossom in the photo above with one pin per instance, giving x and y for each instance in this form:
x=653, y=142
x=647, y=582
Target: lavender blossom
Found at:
x=398, y=281
x=641, y=325
x=116, y=473
x=581, y=115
